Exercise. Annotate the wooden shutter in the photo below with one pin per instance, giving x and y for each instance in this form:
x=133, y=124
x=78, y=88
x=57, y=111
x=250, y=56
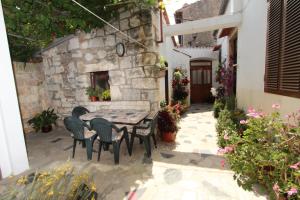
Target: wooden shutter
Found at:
x=290, y=69
x=273, y=45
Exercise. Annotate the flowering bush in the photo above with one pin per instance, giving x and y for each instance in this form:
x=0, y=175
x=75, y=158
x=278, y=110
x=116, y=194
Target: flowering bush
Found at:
x=166, y=121
x=267, y=152
x=225, y=76
x=60, y=183
x=179, y=83
x=218, y=92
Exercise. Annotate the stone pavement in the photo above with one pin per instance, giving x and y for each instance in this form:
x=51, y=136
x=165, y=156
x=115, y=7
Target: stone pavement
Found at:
x=188, y=169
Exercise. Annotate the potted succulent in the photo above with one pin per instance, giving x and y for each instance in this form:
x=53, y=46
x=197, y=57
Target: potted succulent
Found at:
x=44, y=120
x=93, y=93
x=105, y=95
x=167, y=125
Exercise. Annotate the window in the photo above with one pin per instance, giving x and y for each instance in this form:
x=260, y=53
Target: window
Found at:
x=282, y=74
x=100, y=80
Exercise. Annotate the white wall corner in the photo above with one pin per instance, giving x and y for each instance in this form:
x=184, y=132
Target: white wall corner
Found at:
x=13, y=155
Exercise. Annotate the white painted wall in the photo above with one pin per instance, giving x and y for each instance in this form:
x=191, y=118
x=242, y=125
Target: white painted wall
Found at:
x=176, y=59
x=224, y=42
x=251, y=62
x=13, y=155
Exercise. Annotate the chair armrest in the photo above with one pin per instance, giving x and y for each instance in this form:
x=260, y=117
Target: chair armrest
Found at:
x=148, y=120
x=119, y=129
x=144, y=125
x=86, y=125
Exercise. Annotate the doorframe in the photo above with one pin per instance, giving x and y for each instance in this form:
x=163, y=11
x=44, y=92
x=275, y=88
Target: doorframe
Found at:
x=190, y=69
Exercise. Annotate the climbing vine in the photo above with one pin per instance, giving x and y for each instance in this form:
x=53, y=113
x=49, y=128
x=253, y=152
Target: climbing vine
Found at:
x=32, y=24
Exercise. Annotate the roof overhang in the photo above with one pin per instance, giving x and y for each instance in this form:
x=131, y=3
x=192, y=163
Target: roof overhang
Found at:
x=203, y=25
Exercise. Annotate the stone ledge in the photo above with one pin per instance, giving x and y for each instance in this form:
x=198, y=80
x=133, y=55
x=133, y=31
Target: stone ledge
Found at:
x=136, y=105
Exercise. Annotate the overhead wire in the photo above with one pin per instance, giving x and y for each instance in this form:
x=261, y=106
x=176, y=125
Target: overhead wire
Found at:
x=110, y=25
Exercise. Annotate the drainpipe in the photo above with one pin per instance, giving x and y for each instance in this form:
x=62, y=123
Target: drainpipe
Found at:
x=161, y=24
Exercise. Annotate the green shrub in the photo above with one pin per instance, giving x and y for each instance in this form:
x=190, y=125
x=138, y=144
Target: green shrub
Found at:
x=267, y=153
x=225, y=126
x=218, y=106
x=230, y=103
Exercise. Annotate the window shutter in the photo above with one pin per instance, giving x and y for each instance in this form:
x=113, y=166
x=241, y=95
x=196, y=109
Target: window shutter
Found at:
x=290, y=69
x=273, y=45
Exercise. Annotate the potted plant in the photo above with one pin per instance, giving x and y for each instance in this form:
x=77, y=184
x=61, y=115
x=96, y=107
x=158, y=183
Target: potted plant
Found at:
x=163, y=65
x=93, y=93
x=105, y=95
x=179, y=84
x=44, y=120
x=167, y=125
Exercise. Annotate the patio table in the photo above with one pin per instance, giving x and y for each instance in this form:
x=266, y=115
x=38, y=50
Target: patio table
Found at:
x=118, y=116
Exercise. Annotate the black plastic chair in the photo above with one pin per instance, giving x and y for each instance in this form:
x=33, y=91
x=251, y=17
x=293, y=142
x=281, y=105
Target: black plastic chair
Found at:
x=144, y=131
x=77, y=129
x=78, y=111
x=110, y=134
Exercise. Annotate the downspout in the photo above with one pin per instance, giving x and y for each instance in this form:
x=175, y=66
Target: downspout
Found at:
x=161, y=23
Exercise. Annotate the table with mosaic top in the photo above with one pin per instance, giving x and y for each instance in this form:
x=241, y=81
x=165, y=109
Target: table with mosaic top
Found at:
x=117, y=116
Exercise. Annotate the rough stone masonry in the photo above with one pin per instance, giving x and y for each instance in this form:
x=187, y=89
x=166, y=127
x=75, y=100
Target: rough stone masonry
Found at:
x=132, y=78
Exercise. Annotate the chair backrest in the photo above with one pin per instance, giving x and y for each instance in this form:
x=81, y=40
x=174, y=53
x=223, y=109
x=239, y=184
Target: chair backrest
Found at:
x=103, y=129
x=75, y=126
x=78, y=111
x=154, y=122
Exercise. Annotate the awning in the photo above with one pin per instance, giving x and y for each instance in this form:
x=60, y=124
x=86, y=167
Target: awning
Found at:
x=226, y=32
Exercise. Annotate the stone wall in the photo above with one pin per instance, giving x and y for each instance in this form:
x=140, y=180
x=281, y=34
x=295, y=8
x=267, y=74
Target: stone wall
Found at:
x=199, y=10
x=133, y=78
x=31, y=89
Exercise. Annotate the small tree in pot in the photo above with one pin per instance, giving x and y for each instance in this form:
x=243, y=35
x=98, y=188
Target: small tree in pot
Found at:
x=167, y=125
x=44, y=120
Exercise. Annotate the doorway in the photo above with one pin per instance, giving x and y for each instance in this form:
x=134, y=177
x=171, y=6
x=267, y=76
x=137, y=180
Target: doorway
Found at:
x=201, y=81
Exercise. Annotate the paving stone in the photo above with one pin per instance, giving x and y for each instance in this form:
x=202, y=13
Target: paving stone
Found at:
x=176, y=171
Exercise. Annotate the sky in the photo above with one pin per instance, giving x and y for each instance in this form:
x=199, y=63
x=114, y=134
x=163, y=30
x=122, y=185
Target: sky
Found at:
x=173, y=5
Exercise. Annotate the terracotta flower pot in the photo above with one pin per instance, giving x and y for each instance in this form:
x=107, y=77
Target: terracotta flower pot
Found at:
x=47, y=129
x=169, y=137
x=93, y=98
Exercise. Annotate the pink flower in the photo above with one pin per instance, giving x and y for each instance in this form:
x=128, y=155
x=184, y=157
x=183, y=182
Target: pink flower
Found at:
x=276, y=188
x=292, y=191
x=222, y=163
x=262, y=114
x=251, y=110
x=243, y=122
x=276, y=106
x=254, y=115
x=221, y=151
x=295, y=166
x=288, y=116
x=226, y=137
x=229, y=149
